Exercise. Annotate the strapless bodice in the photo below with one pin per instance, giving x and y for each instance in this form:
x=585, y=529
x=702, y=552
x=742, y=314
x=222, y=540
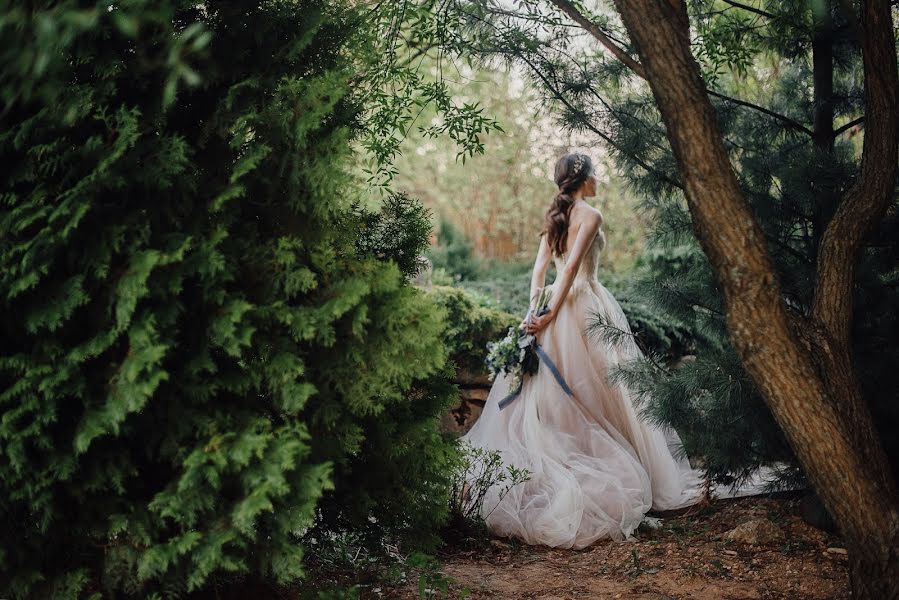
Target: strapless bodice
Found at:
x=588, y=265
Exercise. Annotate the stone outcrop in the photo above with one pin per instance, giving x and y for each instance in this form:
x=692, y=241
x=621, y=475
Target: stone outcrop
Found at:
x=757, y=532
x=474, y=388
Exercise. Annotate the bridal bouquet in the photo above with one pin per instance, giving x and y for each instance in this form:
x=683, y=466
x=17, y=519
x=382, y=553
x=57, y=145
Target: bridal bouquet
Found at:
x=516, y=354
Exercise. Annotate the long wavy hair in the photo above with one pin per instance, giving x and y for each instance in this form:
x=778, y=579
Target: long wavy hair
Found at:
x=571, y=172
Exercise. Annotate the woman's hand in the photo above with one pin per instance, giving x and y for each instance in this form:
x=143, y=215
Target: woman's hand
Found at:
x=538, y=324
x=526, y=320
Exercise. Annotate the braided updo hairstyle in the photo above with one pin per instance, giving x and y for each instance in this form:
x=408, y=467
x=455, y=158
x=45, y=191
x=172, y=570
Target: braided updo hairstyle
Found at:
x=571, y=172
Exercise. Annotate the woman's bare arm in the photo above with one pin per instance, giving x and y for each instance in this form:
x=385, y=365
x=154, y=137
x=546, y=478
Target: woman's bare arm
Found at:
x=586, y=231
x=538, y=276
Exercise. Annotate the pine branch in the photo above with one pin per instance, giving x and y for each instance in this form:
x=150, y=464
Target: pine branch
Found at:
x=751, y=9
x=594, y=30
x=789, y=249
x=619, y=114
x=600, y=327
x=849, y=125
x=587, y=123
x=622, y=116
x=693, y=302
x=787, y=120
x=560, y=96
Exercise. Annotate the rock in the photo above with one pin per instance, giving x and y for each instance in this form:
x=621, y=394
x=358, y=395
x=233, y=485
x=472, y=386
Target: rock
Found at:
x=449, y=424
x=474, y=411
x=651, y=522
x=478, y=395
x=462, y=416
x=756, y=532
x=730, y=552
x=465, y=377
x=837, y=551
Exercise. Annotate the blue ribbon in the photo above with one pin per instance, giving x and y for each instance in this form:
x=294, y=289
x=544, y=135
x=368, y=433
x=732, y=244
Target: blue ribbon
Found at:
x=552, y=369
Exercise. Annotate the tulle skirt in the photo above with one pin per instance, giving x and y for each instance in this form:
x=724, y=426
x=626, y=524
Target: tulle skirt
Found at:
x=595, y=466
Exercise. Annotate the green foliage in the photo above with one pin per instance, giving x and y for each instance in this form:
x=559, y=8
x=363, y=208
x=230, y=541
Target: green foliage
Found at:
x=339, y=593
x=398, y=90
x=656, y=331
x=726, y=41
x=394, y=486
x=507, y=284
x=198, y=344
x=471, y=324
x=399, y=230
x=876, y=328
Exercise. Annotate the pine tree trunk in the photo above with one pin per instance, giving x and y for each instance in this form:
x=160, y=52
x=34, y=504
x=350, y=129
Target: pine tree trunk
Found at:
x=802, y=366
x=871, y=579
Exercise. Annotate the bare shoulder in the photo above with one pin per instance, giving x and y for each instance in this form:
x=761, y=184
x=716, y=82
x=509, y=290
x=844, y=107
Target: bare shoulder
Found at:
x=588, y=215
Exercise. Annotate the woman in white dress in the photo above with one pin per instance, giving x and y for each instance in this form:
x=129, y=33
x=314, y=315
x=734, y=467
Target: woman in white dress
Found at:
x=596, y=466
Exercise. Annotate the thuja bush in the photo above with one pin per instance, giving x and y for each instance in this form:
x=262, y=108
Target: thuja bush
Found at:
x=197, y=343
x=472, y=324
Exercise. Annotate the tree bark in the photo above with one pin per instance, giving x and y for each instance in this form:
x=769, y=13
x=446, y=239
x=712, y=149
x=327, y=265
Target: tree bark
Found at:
x=801, y=366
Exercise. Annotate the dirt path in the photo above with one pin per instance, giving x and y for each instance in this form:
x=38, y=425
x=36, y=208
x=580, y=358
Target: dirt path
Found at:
x=686, y=558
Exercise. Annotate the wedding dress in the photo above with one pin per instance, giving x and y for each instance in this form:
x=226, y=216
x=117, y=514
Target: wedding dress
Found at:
x=595, y=466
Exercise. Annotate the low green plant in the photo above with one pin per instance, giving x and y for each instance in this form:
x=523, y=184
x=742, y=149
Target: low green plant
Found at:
x=432, y=582
x=480, y=471
x=336, y=593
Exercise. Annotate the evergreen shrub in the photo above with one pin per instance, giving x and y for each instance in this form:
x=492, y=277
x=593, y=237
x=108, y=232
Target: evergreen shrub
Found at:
x=198, y=344
x=472, y=322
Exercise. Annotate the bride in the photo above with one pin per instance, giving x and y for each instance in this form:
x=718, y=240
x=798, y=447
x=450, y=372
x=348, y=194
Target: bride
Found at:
x=595, y=466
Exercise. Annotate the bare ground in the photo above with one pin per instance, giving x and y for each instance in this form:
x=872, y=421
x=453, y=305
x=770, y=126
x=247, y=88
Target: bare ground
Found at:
x=686, y=558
